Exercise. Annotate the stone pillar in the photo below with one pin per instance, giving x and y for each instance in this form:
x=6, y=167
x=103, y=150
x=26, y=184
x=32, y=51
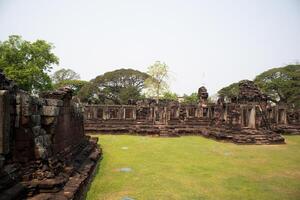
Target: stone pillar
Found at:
x=283, y=116
x=124, y=113
x=105, y=113
x=95, y=112
x=225, y=113
x=134, y=113
x=4, y=122
x=251, y=123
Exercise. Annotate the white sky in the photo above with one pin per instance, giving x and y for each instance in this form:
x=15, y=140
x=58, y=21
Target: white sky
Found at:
x=212, y=42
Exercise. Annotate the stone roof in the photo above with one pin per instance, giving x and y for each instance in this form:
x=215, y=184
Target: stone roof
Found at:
x=61, y=93
x=249, y=92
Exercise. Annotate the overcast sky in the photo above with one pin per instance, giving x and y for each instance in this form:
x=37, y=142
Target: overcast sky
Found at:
x=211, y=43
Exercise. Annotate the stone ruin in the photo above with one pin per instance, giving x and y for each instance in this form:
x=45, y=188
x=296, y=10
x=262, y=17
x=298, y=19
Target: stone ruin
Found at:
x=44, y=153
x=247, y=119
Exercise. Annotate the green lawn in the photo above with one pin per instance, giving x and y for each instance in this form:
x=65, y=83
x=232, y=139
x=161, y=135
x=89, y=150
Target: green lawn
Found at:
x=196, y=168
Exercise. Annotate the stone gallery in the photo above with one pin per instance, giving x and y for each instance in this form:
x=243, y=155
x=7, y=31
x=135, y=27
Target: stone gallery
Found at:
x=247, y=119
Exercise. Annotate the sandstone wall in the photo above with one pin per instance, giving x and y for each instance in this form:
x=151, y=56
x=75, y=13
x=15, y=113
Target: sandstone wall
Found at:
x=43, y=145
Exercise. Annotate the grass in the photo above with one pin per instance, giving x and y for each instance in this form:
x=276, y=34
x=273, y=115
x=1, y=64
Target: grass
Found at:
x=196, y=168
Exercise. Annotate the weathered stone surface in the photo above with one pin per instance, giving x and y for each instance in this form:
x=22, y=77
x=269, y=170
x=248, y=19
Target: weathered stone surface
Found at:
x=36, y=119
x=51, y=111
x=41, y=148
x=54, y=102
x=4, y=121
x=249, y=110
x=48, y=120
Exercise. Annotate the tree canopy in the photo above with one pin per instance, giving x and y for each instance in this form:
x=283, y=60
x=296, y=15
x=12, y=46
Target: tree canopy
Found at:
x=64, y=75
x=67, y=77
x=75, y=85
x=281, y=84
x=170, y=96
x=27, y=63
x=229, y=91
x=115, y=87
x=156, y=83
x=190, y=99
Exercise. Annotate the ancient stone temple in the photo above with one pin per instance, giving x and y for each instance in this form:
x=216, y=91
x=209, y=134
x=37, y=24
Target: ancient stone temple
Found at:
x=44, y=153
x=247, y=119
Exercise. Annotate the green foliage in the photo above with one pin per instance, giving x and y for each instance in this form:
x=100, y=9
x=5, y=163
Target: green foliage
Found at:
x=281, y=84
x=196, y=168
x=190, y=99
x=230, y=91
x=170, y=96
x=27, y=63
x=67, y=77
x=76, y=85
x=157, y=84
x=63, y=75
x=115, y=87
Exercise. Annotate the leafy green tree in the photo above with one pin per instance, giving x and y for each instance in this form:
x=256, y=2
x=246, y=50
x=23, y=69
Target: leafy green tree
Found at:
x=190, y=99
x=170, y=96
x=63, y=75
x=157, y=84
x=115, y=87
x=281, y=84
x=230, y=91
x=69, y=78
x=27, y=63
x=76, y=85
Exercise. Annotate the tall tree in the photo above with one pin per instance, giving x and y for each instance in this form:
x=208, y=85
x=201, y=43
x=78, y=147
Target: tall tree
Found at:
x=190, y=99
x=281, y=84
x=157, y=84
x=76, y=85
x=27, y=63
x=63, y=75
x=229, y=91
x=170, y=96
x=67, y=77
x=115, y=87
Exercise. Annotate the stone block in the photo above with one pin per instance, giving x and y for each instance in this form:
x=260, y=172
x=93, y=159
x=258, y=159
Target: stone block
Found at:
x=36, y=119
x=54, y=102
x=4, y=122
x=48, y=120
x=36, y=130
x=26, y=111
x=51, y=111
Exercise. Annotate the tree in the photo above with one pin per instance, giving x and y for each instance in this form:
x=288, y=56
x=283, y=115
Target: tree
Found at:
x=67, y=77
x=76, y=85
x=27, y=63
x=63, y=75
x=281, y=84
x=157, y=84
x=190, y=99
x=170, y=96
x=230, y=91
x=115, y=87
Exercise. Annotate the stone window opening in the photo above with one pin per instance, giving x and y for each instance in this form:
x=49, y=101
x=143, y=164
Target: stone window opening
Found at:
x=128, y=113
x=100, y=113
x=113, y=113
x=192, y=112
x=173, y=113
x=205, y=112
x=89, y=115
